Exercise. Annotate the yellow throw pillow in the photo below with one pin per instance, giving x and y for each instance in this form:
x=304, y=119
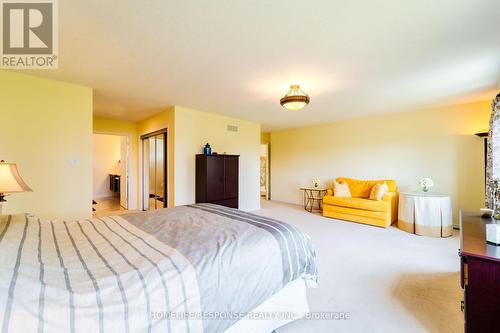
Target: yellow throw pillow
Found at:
x=378, y=191
x=341, y=190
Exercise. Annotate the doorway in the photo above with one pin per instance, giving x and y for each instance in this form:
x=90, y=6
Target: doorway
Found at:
x=264, y=171
x=154, y=170
x=110, y=173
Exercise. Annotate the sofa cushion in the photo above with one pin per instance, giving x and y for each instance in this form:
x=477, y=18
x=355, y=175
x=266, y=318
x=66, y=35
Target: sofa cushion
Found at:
x=357, y=212
x=357, y=218
x=341, y=190
x=362, y=188
x=358, y=203
x=378, y=191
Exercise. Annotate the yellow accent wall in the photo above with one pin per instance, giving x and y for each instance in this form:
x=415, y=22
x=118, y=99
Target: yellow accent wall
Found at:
x=44, y=124
x=265, y=138
x=438, y=143
x=193, y=129
x=128, y=129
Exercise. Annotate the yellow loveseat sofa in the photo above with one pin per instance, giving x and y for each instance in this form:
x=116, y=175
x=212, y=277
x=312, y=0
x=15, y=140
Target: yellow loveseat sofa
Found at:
x=359, y=208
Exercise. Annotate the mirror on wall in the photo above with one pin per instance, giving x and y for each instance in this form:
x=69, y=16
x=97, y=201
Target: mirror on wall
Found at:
x=154, y=178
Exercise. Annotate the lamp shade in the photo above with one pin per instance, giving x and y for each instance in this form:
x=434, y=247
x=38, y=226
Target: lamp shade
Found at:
x=10, y=180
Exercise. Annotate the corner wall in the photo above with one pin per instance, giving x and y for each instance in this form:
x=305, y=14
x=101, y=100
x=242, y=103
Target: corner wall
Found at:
x=193, y=129
x=45, y=124
x=437, y=143
x=187, y=132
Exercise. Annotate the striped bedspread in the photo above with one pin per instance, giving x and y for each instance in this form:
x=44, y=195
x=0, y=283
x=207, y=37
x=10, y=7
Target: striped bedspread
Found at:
x=193, y=269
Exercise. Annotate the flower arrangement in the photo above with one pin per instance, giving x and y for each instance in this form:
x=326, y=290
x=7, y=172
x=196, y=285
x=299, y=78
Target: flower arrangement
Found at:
x=426, y=184
x=315, y=181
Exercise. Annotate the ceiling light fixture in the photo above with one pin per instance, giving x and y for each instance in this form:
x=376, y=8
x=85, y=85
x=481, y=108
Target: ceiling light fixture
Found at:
x=295, y=99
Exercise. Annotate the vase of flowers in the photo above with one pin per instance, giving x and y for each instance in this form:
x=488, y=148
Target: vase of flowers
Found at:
x=426, y=184
x=315, y=182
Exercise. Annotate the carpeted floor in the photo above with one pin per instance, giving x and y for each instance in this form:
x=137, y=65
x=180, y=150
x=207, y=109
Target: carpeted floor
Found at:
x=386, y=280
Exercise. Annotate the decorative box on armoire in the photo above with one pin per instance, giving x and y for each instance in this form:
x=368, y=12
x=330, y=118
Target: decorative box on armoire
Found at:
x=217, y=179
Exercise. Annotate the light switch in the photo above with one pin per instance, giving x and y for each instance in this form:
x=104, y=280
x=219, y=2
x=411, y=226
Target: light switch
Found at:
x=74, y=162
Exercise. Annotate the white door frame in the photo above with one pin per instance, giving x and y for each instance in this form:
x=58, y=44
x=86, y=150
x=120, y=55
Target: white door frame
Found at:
x=129, y=161
x=124, y=166
x=267, y=170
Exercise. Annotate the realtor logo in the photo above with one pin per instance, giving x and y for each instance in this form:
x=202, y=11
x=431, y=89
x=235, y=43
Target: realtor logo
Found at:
x=29, y=34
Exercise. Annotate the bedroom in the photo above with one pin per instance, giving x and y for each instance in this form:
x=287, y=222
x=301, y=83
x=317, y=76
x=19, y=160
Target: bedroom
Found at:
x=391, y=93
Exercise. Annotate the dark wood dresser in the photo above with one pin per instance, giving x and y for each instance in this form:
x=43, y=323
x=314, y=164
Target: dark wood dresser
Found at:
x=480, y=275
x=217, y=179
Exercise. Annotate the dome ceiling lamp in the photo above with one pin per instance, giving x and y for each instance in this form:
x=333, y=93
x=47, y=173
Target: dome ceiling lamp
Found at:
x=295, y=99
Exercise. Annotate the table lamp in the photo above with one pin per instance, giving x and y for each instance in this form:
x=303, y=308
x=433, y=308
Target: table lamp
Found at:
x=10, y=182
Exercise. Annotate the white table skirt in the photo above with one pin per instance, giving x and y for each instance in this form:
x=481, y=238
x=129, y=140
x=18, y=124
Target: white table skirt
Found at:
x=425, y=214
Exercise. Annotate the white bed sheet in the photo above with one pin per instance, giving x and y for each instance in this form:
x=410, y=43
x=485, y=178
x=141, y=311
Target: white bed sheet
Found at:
x=290, y=304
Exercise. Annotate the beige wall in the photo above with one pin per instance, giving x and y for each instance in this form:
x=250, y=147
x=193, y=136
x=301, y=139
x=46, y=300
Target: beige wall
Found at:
x=438, y=143
x=128, y=129
x=187, y=132
x=106, y=157
x=44, y=125
x=193, y=129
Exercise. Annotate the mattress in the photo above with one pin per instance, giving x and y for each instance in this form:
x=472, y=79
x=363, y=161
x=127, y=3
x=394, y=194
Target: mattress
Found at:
x=196, y=268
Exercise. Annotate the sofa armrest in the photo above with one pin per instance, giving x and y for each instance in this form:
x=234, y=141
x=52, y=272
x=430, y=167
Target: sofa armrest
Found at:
x=392, y=198
x=329, y=192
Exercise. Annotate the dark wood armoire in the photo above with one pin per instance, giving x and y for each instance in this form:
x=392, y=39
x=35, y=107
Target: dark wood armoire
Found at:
x=217, y=179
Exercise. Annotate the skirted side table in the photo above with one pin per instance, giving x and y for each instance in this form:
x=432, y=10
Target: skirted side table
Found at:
x=425, y=214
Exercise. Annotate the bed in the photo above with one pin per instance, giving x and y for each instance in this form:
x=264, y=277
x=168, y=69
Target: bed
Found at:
x=195, y=268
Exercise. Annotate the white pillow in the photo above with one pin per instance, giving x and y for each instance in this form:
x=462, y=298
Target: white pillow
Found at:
x=378, y=191
x=341, y=190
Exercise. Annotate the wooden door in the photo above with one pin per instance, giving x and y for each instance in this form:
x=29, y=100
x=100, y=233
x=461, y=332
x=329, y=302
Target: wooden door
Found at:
x=231, y=176
x=215, y=178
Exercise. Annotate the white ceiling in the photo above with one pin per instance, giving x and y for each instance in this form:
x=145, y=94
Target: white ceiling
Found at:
x=354, y=58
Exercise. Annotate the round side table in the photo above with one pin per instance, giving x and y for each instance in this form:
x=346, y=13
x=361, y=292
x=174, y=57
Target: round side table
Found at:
x=313, y=195
x=425, y=214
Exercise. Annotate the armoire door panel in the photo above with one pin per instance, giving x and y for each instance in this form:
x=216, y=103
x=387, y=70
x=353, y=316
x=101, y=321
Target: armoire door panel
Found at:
x=215, y=178
x=231, y=176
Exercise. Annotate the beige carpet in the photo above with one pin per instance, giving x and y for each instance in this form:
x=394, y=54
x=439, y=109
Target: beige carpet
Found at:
x=386, y=279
